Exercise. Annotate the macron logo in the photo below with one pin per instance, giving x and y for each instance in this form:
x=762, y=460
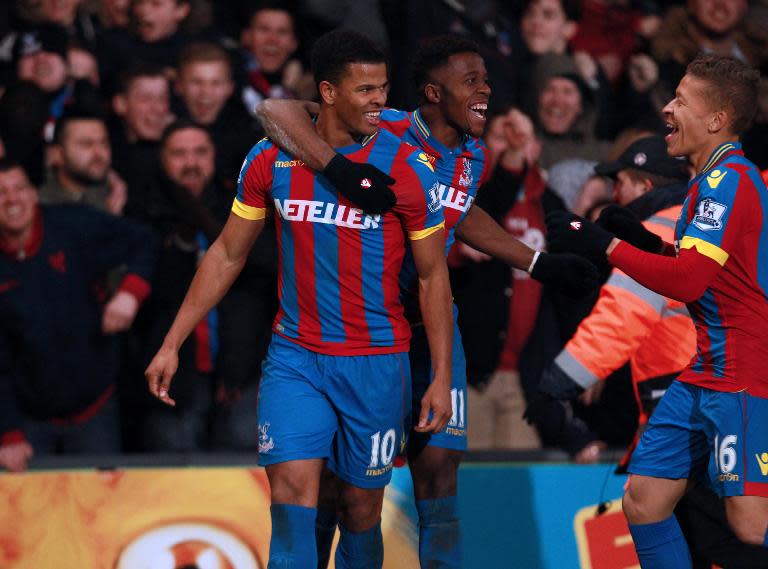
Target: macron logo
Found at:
x=330, y=213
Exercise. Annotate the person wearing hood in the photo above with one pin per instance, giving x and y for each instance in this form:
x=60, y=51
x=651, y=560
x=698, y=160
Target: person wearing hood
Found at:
x=566, y=113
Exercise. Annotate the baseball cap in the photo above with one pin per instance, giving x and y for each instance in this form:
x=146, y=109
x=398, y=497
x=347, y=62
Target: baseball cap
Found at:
x=50, y=38
x=647, y=154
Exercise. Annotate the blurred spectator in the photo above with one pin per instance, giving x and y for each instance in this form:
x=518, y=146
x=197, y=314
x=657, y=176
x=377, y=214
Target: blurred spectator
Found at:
x=205, y=86
x=42, y=57
x=154, y=37
x=24, y=113
x=721, y=27
x=547, y=26
x=142, y=109
x=565, y=114
x=223, y=356
x=498, y=307
x=193, y=221
x=114, y=13
x=71, y=15
x=629, y=323
x=270, y=43
x=608, y=31
x=58, y=349
x=80, y=160
x=363, y=16
x=567, y=179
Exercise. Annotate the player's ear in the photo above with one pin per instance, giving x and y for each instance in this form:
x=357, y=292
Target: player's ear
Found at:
x=717, y=121
x=432, y=93
x=327, y=92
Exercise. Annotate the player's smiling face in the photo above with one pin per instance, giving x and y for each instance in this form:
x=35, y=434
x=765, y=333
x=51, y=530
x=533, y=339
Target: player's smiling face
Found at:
x=360, y=96
x=688, y=116
x=464, y=92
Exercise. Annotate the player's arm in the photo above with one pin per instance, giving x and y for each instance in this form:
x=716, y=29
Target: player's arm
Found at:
x=437, y=312
x=220, y=267
x=289, y=125
x=683, y=278
x=568, y=272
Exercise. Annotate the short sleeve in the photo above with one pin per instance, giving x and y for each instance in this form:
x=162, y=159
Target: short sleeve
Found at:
x=719, y=216
x=255, y=182
x=418, y=198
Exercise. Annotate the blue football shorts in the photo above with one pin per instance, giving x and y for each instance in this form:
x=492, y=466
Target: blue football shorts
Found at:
x=697, y=432
x=350, y=410
x=454, y=436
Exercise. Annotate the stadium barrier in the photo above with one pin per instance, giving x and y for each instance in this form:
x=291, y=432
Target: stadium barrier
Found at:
x=212, y=512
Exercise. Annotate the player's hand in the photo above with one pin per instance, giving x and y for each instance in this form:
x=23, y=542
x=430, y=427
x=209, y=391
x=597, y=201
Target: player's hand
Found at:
x=624, y=225
x=363, y=184
x=119, y=313
x=567, y=232
x=568, y=273
x=437, y=403
x=15, y=456
x=160, y=372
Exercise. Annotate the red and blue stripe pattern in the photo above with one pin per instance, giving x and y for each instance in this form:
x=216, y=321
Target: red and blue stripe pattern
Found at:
x=460, y=173
x=338, y=279
x=725, y=217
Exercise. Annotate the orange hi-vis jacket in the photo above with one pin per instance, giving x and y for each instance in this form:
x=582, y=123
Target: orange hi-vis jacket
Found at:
x=631, y=323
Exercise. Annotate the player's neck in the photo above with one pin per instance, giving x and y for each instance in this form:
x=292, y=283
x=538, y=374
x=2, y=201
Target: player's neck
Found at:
x=439, y=127
x=333, y=130
x=700, y=158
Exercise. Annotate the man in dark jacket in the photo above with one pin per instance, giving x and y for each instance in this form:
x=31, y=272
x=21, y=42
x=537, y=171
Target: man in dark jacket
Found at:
x=58, y=349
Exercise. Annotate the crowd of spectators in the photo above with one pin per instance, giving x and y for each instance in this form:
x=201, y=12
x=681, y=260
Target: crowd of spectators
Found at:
x=143, y=110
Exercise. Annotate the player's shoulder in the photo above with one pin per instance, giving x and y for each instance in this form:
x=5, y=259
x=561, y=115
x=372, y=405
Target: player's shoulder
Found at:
x=263, y=151
x=391, y=115
x=732, y=173
x=410, y=156
x=263, y=145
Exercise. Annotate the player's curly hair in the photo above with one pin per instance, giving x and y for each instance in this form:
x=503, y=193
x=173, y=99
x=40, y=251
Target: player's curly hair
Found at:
x=332, y=52
x=434, y=53
x=733, y=86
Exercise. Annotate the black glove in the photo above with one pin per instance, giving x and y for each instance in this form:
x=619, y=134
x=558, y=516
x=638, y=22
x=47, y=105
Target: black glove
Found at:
x=363, y=184
x=558, y=384
x=624, y=225
x=569, y=273
x=567, y=232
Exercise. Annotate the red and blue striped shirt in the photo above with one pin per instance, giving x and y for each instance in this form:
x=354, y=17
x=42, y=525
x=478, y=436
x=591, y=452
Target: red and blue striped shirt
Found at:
x=339, y=267
x=460, y=173
x=725, y=217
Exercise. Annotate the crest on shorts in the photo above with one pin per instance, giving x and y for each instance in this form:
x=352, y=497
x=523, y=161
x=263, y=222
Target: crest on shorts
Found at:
x=266, y=443
x=709, y=215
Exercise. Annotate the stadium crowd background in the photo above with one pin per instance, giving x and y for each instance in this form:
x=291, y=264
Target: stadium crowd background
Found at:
x=145, y=109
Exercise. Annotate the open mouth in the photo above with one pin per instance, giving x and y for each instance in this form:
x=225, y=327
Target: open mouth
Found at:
x=672, y=130
x=479, y=110
x=373, y=117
